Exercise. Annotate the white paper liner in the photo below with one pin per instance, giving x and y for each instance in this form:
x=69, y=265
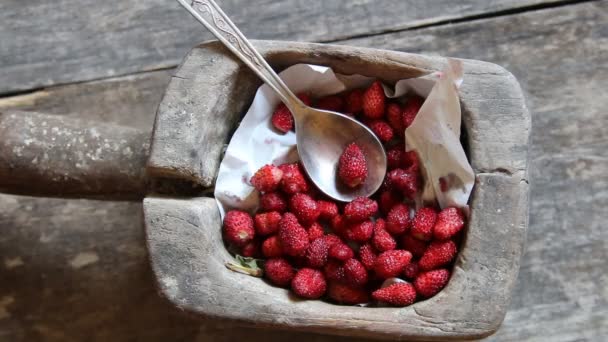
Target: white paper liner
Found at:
x=255, y=143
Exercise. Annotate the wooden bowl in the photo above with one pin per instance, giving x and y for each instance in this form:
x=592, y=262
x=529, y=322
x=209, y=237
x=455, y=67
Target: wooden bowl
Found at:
x=202, y=106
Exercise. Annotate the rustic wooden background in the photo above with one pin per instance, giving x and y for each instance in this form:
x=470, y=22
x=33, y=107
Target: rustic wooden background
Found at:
x=76, y=270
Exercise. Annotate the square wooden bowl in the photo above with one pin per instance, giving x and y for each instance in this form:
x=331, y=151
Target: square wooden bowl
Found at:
x=201, y=108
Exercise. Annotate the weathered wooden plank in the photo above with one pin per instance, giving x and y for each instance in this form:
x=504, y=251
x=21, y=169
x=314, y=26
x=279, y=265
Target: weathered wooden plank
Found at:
x=44, y=43
x=558, y=57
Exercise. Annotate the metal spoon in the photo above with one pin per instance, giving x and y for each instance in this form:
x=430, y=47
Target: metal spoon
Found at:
x=321, y=135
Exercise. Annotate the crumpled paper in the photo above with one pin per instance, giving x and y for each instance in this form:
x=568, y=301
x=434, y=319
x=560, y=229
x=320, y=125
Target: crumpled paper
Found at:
x=255, y=143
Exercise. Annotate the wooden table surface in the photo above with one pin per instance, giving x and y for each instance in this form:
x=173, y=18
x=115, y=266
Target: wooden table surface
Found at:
x=76, y=270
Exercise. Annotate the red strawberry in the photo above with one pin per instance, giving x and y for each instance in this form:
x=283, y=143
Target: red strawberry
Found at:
x=328, y=209
x=423, y=223
x=267, y=223
x=352, y=166
x=345, y=294
x=382, y=130
x=355, y=273
x=398, y=294
x=395, y=157
x=439, y=253
x=449, y=222
x=360, y=232
x=354, y=101
x=339, y=225
x=388, y=199
x=413, y=245
x=332, y=239
x=361, y=208
x=271, y=247
x=382, y=240
x=282, y=119
x=411, y=163
x=411, y=110
x=391, y=263
x=316, y=254
x=429, y=283
x=332, y=103
x=293, y=237
x=398, y=219
x=278, y=271
x=373, y=101
x=267, y=179
x=238, y=228
x=315, y=231
x=251, y=249
x=273, y=201
x=293, y=179
x=395, y=118
x=305, y=208
x=405, y=181
x=411, y=270
x=368, y=256
x=309, y=283
x=341, y=251
x=334, y=271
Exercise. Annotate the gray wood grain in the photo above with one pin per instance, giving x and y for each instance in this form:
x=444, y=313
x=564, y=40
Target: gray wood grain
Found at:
x=43, y=43
x=559, y=58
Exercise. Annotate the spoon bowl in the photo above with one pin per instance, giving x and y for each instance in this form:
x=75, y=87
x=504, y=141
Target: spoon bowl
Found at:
x=321, y=138
x=321, y=135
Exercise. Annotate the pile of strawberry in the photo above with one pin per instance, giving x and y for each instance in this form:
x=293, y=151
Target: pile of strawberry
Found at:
x=346, y=252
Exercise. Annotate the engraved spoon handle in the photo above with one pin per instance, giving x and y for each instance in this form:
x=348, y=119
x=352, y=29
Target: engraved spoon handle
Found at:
x=208, y=13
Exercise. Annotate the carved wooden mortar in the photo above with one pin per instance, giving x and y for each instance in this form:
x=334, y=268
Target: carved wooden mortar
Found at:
x=200, y=110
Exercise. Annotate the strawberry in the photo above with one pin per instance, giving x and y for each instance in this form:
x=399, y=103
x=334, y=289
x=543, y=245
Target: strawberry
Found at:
x=334, y=271
x=352, y=166
x=360, y=209
x=251, y=249
x=316, y=254
x=423, y=223
x=413, y=245
x=341, y=251
x=278, y=271
x=271, y=247
x=267, y=223
x=360, y=232
x=410, y=110
x=373, y=101
x=391, y=263
x=332, y=103
x=382, y=130
x=315, y=231
x=395, y=157
x=305, y=208
x=382, y=240
x=309, y=283
x=345, y=294
x=388, y=199
x=273, y=201
x=238, y=228
x=339, y=225
x=281, y=119
x=293, y=237
x=293, y=179
x=411, y=163
x=429, y=283
x=267, y=178
x=368, y=256
x=397, y=294
x=411, y=270
x=355, y=273
x=405, y=181
x=395, y=118
x=449, y=222
x=332, y=239
x=327, y=209
x=439, y=253
x=354, y=101
x=398, y=219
